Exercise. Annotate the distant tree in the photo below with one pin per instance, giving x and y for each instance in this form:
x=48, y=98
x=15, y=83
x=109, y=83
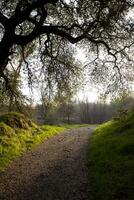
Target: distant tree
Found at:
x=47, y=107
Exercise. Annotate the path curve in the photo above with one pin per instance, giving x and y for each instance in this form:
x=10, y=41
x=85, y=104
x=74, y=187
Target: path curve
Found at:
x=55, y=170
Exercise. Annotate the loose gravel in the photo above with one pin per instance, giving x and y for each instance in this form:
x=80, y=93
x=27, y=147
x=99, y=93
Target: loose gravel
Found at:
x=55, y=170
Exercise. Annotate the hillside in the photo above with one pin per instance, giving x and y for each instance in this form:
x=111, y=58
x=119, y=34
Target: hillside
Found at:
x=111, y=160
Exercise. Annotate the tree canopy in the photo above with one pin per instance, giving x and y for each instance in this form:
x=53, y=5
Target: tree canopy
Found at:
x=48, y=27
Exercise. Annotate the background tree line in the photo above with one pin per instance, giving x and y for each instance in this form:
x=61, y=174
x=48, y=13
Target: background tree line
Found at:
x=59, y=107
x=82, y=111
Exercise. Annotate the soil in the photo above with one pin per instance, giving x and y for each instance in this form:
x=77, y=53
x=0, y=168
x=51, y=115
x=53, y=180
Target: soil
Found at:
x=55, y=170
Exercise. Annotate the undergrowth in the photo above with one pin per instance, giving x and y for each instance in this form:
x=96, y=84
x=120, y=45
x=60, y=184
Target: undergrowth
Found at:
x=111, y=160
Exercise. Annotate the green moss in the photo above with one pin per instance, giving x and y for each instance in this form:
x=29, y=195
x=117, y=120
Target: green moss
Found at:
x=16, y=120
x=111, y=156
x=6, y=130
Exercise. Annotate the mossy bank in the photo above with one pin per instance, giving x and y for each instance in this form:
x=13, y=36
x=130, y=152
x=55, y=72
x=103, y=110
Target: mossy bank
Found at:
x=18, y=134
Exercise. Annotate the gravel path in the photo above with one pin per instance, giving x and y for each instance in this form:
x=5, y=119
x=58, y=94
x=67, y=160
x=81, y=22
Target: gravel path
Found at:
x=55, y=170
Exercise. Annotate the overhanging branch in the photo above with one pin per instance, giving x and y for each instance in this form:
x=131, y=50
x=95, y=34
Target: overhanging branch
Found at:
x=23, y=40
x=3, y=19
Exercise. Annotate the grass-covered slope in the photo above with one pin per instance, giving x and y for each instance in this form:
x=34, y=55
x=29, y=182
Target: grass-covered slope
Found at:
x=18, y=134
x=111, y=160
x=16, y=120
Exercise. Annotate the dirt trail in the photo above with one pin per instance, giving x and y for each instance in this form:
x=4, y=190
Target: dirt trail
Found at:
x=55, y=170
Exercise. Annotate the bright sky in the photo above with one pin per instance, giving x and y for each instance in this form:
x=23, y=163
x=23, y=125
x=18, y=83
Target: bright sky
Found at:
x=90, y=95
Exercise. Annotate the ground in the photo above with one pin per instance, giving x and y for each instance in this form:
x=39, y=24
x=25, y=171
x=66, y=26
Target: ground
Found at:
x=55, y=170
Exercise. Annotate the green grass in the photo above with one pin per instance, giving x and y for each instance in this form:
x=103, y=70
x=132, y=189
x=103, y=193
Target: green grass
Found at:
x=70, y=126
x=111, y=160
x=19, y=134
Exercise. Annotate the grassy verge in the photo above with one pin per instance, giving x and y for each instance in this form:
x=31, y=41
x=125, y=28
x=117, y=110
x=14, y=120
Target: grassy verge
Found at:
x=111, y=158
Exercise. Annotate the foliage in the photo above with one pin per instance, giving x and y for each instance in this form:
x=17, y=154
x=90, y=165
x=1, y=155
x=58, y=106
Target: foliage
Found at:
x=111, y=160
x=61, y=72
x=40, y=32
x=12, y=98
